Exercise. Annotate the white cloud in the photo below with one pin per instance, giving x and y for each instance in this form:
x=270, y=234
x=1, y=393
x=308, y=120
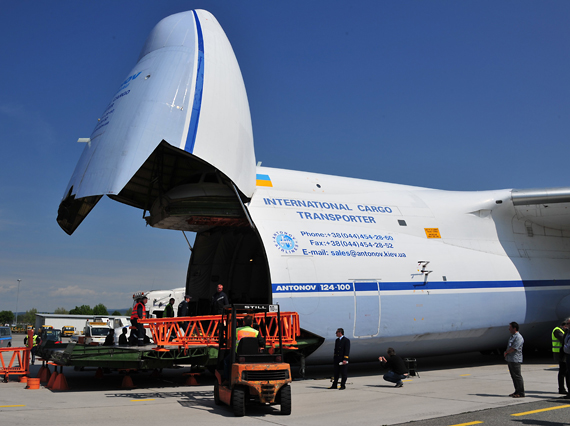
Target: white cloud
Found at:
x=72, y=290
x=6, y=288
x=52, y=282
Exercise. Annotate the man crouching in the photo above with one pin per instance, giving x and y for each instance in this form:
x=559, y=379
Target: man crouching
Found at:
x=396, y=368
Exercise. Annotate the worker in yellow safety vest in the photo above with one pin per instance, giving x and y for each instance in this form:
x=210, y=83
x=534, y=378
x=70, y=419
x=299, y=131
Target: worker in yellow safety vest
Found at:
x=248, y=331
x=35, y=343
x=560, y=357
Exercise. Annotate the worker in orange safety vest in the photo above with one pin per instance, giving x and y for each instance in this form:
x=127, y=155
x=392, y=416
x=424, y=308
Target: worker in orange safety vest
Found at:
x=139, y=313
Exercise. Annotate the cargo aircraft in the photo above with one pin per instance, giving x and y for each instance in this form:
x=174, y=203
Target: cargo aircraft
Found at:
x=423, y=270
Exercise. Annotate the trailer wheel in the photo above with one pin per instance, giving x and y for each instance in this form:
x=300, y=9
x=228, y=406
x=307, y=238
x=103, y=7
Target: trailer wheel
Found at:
x=217, y=400
x=238, y=402
x=285, y=399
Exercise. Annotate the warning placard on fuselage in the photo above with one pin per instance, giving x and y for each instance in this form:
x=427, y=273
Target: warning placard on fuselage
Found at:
x=432, y=232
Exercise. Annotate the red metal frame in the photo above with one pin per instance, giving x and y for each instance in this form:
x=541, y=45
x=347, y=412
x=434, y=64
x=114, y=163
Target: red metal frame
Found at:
x=203, y=330
x=19, y=361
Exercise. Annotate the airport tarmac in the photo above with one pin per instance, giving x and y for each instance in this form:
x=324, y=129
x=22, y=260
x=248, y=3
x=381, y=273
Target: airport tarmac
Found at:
x=461, y=389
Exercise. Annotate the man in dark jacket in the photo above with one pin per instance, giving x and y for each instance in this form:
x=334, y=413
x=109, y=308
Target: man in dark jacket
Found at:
x=184, y=307
x=340, y=359
x=566, y=350
x=560, y=357
x=219, y=300
x=396, y=368
x=123, y=340
x=183, y=311
x=110, y=339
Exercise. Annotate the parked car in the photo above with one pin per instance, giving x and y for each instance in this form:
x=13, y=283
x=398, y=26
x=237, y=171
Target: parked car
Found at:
x=5, y=337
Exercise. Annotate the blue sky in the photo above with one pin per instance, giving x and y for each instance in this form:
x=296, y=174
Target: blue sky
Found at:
x=456, y=95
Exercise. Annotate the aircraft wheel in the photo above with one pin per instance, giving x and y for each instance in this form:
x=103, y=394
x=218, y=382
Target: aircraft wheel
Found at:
x=217, y=400
x=238, y=402
x=285, y=399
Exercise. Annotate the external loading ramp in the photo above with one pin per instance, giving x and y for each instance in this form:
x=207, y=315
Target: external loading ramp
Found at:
x=186, y=332
x=182, y=341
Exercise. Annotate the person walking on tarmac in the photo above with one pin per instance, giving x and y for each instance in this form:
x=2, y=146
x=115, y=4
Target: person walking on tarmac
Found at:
x=219, y=300
x=560, y=357
x=169, y=309
x=139, y=313
x=36, y=340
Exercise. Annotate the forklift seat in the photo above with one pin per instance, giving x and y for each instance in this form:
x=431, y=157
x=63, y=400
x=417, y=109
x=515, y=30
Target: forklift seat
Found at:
x=248, y=346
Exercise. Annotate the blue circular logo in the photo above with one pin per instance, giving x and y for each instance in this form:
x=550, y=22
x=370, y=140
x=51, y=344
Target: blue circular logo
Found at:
x=285, y=242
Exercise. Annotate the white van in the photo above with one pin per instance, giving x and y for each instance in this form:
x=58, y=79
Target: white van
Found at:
x=5, y=337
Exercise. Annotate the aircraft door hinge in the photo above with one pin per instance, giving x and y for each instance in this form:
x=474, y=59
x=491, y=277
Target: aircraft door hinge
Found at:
x=422, y=265
x=243, y=207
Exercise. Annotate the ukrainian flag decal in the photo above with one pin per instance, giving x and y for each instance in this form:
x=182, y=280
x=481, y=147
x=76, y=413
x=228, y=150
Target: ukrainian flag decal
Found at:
x=263, y=180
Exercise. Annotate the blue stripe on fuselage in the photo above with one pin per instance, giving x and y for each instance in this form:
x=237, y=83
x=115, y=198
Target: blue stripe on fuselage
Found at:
x=399, y=286
x=199, y=86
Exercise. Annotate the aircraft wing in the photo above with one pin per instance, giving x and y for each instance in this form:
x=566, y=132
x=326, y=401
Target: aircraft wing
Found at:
x=549, y=207
x=186, y=91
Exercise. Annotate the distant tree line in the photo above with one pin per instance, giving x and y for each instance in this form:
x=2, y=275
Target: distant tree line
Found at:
x=8, y=317
x=99, y=309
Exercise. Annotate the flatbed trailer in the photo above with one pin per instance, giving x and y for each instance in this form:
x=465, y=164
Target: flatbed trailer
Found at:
x=138, y=357
x=124, y=357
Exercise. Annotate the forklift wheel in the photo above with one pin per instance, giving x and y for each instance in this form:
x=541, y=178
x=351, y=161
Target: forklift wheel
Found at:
x=217, y=400
x=238, y=402
x=285, y=399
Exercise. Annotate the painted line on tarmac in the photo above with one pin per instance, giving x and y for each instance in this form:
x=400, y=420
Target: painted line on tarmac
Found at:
x=10, y=406
x=540, y=411
x=463, y=375
x=467, y=424
x=142, y=400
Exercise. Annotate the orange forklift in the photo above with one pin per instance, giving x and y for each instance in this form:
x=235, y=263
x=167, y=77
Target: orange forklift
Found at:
x=247, y=372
